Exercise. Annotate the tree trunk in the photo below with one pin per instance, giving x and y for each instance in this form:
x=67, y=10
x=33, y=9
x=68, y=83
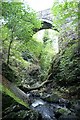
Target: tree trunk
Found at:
x=9, y=51
x=9, y=48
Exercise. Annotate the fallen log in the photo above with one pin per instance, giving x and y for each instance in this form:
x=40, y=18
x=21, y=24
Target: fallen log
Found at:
x=14, y=92
x=19, y=94
x=26, y=89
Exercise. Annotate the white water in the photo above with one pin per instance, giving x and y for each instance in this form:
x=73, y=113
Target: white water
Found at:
x=38, y=102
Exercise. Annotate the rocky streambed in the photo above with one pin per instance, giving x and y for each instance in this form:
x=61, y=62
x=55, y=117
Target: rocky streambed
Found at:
x=45, y=107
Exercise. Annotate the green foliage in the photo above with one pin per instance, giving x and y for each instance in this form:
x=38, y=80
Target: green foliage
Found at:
x=34, y=47
x=46, y=36
x=46, y=57
x=18, y=26
x=19, y=19
x=66, y=68
x=69, y=66
x=65, y=12
x=19, y=22
x=47, y=53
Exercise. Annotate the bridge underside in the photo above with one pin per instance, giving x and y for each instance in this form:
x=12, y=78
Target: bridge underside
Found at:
x=46, y=25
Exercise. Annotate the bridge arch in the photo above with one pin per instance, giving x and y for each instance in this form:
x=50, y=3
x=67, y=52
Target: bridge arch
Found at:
x=46, y=24
x=46, y=18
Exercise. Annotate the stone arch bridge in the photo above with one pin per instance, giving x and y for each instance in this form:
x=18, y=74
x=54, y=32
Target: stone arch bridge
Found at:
x=47, y=19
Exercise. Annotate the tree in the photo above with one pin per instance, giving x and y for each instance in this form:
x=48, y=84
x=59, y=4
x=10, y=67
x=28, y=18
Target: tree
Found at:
x=46, y=36
x=20, y=21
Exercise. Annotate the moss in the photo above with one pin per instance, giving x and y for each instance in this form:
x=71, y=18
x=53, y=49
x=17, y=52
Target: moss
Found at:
x=11, y=94
x=63, y=111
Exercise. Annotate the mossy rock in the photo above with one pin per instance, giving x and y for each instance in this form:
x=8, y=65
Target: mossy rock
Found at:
x=52, y=98
x=63, y=111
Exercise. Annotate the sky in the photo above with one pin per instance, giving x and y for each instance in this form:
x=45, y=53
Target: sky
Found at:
x=39, y=5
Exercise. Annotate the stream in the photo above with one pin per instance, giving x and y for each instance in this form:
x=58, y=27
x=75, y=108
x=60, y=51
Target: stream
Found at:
x=56, y=109
x=48, y=107
x=44, y=109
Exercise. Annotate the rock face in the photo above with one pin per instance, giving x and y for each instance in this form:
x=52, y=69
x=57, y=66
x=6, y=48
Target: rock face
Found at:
x=69, y=37
x=66, y=64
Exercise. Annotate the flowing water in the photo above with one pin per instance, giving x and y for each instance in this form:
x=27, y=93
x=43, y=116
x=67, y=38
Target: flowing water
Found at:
x=50, y=110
